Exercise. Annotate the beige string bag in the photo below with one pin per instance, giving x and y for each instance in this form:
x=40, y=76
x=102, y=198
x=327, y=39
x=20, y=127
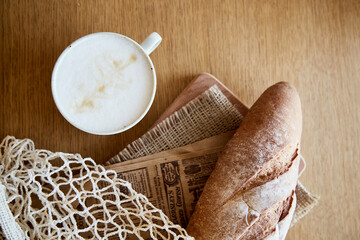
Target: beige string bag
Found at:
x=41, y=200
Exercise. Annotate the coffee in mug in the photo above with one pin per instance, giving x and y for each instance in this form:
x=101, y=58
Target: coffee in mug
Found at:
x=104, y=83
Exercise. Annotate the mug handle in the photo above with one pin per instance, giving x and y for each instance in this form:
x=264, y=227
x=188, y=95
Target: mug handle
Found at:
x=151, y=42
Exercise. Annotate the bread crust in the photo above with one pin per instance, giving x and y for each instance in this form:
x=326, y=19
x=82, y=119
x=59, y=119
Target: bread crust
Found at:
x=263, y=150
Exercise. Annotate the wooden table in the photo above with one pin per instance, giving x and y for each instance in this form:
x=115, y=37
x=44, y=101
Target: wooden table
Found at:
x=248, y=45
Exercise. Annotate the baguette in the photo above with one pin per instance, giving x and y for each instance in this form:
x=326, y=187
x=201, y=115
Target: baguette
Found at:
x=251, y=192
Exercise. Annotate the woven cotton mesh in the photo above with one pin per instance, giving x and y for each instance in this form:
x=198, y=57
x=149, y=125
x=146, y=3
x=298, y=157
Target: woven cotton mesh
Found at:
x=77, y=199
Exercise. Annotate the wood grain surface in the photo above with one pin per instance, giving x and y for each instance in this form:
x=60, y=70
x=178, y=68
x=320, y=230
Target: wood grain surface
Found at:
x=248, y=45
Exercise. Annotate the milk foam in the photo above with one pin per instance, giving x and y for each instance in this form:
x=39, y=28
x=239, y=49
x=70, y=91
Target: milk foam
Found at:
x=103, y=83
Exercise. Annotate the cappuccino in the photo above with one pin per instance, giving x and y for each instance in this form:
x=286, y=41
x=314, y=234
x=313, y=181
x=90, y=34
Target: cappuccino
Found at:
x=103, y=83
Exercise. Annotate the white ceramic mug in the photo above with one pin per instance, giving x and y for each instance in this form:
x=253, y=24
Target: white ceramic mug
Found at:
x=104, y=83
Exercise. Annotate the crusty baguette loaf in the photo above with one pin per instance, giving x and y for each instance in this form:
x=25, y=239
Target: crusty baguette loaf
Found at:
x=250, y=194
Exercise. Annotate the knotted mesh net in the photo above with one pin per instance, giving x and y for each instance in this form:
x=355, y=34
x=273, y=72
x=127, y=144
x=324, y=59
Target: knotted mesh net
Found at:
x=76, y=199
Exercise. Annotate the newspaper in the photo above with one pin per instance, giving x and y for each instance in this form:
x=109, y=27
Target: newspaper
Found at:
x=173, y=180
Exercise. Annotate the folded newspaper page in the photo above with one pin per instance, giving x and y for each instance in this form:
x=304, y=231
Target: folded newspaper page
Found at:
x=173, y=180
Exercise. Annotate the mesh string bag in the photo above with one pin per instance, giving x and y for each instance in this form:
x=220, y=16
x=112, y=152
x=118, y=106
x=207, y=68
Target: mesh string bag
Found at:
x=76, y=199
